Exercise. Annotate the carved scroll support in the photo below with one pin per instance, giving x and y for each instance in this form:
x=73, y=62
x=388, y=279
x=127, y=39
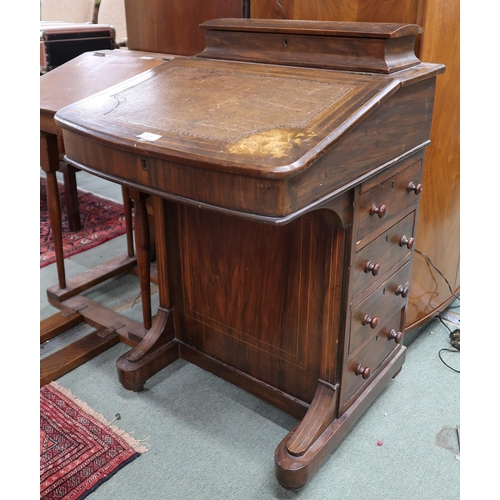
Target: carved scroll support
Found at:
x=320, y=415
x=159, y=347
x=294, y=470
x=155, y=351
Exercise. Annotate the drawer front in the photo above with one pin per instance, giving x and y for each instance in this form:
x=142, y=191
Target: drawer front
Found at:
x=371, y=315
x=370, y=356
x=376, y=258
x=387, y=200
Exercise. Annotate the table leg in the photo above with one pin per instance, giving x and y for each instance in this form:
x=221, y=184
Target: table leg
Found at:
x=49, y=160
x=69, y=175
x=143, y=252
x=127, y=207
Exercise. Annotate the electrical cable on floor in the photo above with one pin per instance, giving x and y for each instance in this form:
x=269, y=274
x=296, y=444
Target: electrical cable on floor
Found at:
x=444, y=362
x=455, y=342
x=440, y=273
x=455, y=334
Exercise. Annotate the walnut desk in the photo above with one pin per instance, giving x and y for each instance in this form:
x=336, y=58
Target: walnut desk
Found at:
x=284, y=163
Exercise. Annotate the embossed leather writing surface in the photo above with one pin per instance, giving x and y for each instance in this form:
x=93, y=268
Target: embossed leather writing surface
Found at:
x=227, y=105
x=227, y=114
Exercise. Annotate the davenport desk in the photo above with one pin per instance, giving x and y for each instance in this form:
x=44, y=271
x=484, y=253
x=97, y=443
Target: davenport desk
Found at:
x=284, y=164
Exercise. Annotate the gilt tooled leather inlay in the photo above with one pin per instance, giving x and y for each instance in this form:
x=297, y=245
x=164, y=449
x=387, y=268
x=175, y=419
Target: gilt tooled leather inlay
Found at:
x=249, y=113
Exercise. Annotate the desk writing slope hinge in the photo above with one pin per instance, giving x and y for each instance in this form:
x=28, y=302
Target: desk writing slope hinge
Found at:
x=321, y=414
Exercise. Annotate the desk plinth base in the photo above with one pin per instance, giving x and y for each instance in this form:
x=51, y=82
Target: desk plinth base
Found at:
x=293, y=472
x=301, y=453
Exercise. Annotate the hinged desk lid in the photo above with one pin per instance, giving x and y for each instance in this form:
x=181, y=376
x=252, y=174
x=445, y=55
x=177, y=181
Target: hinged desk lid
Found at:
x=261, y=120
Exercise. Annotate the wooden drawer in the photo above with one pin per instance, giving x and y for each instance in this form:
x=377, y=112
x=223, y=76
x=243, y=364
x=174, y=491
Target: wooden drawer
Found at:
x=387, y=200
x=379, y=256
x=370, y=356
x=371, y=315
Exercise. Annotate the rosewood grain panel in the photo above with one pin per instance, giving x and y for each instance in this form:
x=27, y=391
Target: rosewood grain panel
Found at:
x=255, y=296
x=244, y=279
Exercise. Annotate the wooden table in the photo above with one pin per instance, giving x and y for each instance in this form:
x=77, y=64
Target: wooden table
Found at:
x=79, y=78
x=284, y=164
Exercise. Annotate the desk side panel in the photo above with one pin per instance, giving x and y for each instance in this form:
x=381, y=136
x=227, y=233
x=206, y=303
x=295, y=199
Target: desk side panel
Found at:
x=260, y=298
x=398, y=126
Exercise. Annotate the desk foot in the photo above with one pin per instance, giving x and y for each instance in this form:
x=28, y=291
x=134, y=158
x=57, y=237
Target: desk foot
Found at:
x=155, y=351
x=294, y=470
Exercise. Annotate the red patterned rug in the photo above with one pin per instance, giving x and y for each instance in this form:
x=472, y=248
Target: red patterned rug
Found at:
x=79, y=449
x=101, y=220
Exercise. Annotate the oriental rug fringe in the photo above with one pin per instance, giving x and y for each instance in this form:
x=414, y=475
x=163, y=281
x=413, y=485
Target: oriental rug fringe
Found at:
x=79, y=449
x=101, y=220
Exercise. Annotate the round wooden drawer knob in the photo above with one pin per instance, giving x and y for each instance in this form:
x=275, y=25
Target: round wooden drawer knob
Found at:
x=380, y=211
x=372, y=267
x=403, y=291
x=408, y=242
x=365, y=372
x=397, y=336
x=368, y=320
x=416, y=188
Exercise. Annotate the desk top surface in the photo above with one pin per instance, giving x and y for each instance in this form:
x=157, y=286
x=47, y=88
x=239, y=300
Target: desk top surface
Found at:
x=231, y=115
x=92, y=72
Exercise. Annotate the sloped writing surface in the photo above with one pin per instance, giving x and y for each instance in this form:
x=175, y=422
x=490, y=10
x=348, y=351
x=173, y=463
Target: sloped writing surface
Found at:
x=224, y=105
x=260, y=119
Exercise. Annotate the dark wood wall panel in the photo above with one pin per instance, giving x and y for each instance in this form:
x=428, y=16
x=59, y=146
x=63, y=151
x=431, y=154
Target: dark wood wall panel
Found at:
x=438, y=233
x=322, y=10
x=172, y=26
